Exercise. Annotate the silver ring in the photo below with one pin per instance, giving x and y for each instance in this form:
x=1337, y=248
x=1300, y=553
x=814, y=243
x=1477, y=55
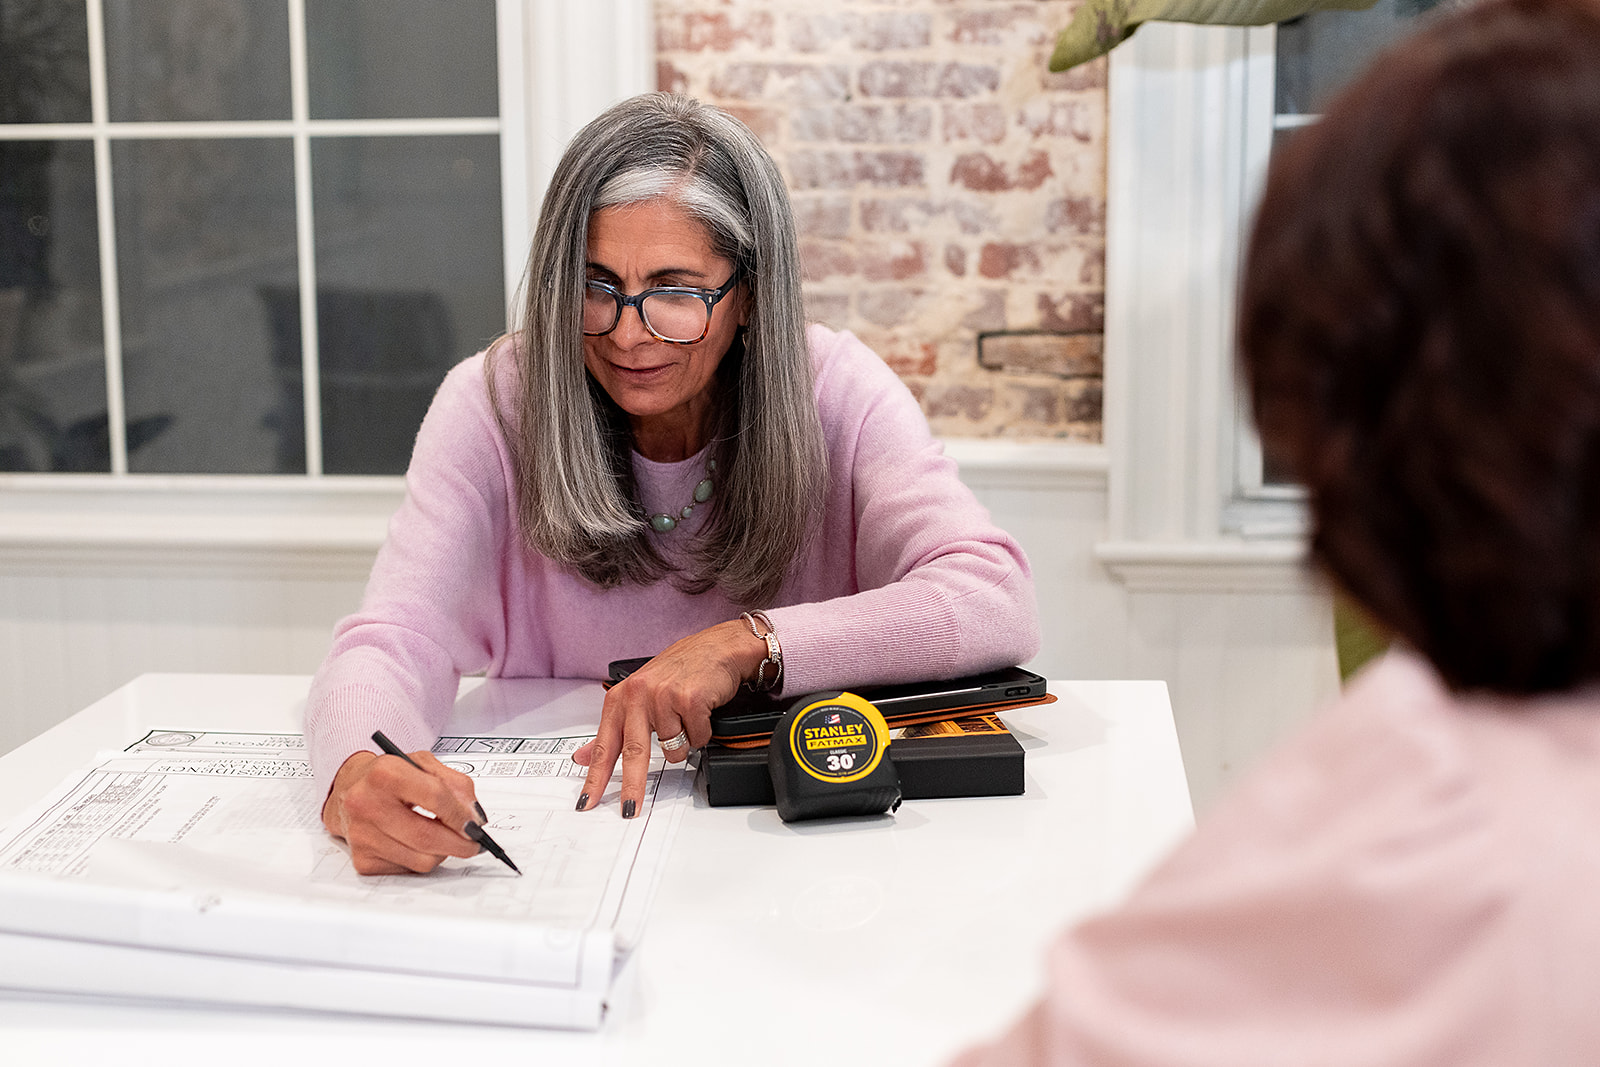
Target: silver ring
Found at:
x=675, y=742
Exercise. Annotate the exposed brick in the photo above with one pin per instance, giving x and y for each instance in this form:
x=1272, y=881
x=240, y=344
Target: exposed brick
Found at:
x=1079, y=117
x=669, y=78
x=955, y=260
x=1082, y=402
x=820, y=260
x=944, y=185
x=1014, y=26
x=914, y=214
x=1072, y=312
x=822, y=216
x=1083, y=215
x=1069, y=408
x=1042, y=405
x=907, y=78
x=781, y=81
x=887, y=307
x=1061, y=355
x=974, y=218
x=990, y=314
x=765, y=122
x=1092, y=271
x=892, y=261
x=997, y=259
x=1090, y=75
x=972, y=402
x=979, y=171
x=891, y=31
x=1085, y=402
x=720, y=31
x=831, y=309
x=815, y=33
x=864, y=32
x=965, y=80
x=885, y=78
x=897, y=215
x=844, y=170
x=905, y=355
x=974, y=122
x=982, y=172
x=862, y=123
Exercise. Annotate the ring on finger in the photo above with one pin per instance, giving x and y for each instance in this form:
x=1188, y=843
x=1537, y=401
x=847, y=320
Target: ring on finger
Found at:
x=675, y=742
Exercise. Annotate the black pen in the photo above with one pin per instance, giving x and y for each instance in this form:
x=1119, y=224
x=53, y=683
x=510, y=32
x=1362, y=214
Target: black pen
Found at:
x=472, y=829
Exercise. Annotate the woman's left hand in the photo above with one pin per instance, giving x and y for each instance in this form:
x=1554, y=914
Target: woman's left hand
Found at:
x=677, y=690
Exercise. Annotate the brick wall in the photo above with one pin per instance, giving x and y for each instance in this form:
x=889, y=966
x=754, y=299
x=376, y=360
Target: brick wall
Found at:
x=949, y=190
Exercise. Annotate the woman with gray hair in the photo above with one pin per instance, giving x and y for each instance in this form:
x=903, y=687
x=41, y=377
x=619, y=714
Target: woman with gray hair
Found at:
x=663, y=459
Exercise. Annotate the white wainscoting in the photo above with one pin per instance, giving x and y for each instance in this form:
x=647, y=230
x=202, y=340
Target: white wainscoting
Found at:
x=100, y=583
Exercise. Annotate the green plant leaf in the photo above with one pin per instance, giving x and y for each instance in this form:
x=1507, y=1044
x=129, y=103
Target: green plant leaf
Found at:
x=1098, y=26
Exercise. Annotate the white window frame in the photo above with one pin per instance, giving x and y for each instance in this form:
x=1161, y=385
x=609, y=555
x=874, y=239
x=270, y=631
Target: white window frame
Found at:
x=560, y=64
x=1190, y=131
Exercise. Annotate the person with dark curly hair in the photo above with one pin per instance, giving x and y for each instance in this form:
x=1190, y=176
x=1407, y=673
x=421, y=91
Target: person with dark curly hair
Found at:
x=1412, y=879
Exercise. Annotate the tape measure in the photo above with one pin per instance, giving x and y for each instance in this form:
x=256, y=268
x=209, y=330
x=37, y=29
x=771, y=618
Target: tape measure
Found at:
x=829, y=756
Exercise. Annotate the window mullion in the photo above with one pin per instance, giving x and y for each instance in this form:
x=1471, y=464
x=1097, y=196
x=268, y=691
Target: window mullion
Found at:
x=305, y=237
x=1260, y=72
x=105, y=211
x=517, y=210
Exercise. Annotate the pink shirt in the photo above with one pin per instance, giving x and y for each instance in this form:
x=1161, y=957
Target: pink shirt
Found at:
x=906, y=579
x=1414, y=879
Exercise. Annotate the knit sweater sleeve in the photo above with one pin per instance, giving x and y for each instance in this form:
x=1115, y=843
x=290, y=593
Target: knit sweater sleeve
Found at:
x=939, y=590
x=433, y=608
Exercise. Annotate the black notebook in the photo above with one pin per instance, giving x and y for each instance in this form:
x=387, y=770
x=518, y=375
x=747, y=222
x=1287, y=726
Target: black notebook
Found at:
x=973, y=756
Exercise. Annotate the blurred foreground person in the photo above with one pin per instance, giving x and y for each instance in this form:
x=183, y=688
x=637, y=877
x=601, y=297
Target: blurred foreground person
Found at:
x=1412, y=880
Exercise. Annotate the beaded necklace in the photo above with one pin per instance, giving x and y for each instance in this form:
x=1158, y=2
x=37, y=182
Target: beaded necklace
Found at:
x=665, y=523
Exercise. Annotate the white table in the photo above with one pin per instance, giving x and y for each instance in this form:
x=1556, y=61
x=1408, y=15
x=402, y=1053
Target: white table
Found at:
x=894, y=940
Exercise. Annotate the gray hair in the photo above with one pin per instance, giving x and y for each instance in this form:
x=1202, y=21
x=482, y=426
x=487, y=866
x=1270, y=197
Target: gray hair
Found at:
x=571, y=445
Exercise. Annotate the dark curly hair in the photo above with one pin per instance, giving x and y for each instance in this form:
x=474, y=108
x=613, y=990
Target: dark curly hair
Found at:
x=1420, y=327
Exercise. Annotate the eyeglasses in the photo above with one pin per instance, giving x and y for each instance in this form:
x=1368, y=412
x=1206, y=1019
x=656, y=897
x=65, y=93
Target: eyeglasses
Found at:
x=676, y=314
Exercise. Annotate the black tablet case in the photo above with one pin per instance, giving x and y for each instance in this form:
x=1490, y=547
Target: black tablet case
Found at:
x=747, y=720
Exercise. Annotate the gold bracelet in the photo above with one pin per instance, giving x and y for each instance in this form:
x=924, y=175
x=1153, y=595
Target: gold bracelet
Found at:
x=774, y=651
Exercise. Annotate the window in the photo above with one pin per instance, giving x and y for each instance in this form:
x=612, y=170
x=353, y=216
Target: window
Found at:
x=1194, y=113
x=240, y=237
x=1314, y=57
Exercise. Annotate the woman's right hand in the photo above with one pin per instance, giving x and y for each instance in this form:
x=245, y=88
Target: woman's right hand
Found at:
x=371, y=806
x=677, y=690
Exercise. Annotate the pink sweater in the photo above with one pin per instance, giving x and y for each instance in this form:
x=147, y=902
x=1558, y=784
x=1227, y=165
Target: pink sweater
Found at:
x=907, y=579
x=1411, y=881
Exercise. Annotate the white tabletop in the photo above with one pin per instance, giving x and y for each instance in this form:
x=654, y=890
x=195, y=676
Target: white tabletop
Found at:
x=893, y=940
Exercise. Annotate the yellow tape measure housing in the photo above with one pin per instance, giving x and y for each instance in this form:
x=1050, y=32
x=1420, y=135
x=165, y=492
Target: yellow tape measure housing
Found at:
x=834, y=746
x=828, y=758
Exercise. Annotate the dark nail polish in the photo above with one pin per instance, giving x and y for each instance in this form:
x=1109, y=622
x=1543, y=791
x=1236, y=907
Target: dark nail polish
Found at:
x=628, y=808
x=483, y=816
x=473, y=830
x=583, y=801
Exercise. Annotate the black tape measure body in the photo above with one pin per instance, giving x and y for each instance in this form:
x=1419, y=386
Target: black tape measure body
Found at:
x=829, y=756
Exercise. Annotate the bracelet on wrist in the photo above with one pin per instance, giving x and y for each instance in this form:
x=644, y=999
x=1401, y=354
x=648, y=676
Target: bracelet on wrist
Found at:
x=774, y=658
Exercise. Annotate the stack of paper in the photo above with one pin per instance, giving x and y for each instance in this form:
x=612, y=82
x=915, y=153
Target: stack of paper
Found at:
x=193, y=866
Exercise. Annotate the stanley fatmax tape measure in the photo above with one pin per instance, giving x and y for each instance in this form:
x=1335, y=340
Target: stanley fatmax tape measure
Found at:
x=830, y=756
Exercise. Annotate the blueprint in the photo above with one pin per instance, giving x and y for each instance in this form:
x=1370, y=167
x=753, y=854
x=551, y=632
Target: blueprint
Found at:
x=210, y=842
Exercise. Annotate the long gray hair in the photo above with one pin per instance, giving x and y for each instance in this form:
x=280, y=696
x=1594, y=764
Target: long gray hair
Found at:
x=571, y=445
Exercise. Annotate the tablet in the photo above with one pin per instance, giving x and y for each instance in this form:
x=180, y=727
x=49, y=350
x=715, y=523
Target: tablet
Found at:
x=749, y=717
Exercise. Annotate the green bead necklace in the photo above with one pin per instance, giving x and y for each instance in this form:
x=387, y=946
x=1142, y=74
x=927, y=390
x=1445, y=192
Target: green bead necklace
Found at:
x=702, y=492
